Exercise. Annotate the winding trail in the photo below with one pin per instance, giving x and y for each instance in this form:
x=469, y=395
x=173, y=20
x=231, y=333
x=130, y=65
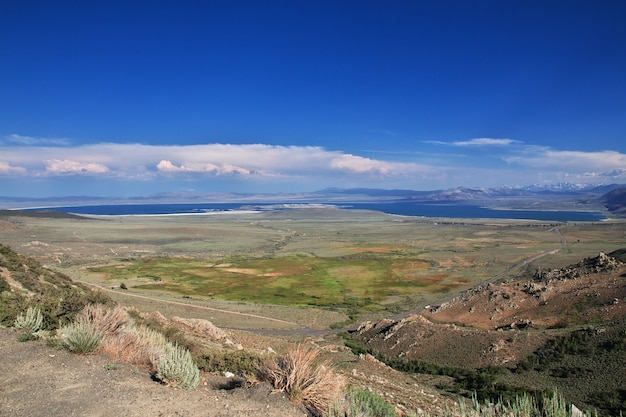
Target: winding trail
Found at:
x=526, y=261
x=159, y=300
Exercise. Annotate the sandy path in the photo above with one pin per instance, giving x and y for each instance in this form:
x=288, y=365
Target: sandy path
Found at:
x=237, y=313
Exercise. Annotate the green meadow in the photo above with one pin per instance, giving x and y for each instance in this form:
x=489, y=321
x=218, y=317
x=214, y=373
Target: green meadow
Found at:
x=366, y=279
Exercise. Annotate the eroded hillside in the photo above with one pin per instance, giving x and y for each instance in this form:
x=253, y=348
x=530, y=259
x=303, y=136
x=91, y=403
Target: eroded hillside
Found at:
x=558, y=329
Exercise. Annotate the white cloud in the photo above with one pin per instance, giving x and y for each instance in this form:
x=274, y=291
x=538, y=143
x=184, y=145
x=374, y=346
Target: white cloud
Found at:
x=477, y=142
x=209, y=168
x=354, y=164
x=358, y=164
x=255, y=160
x=64, y=167
x=617, y=175
x=7, y=169
x=169, y=167
x=575, y=161
x=275, y=166
x=485, y=142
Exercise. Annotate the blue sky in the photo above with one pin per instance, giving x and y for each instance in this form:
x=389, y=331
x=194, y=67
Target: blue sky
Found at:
x=124, y=98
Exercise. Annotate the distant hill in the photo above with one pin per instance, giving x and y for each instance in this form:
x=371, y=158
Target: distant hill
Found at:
x=48, y=214
x=615, y=201
x=473, y=194
x=540, y=197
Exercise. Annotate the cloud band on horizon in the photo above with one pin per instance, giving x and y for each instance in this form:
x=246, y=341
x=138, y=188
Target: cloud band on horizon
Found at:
x=520, y=164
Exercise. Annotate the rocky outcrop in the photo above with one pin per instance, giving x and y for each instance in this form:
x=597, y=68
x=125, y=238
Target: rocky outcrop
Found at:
x=599, y=264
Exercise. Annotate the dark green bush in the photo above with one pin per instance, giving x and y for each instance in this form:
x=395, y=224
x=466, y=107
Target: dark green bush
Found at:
x=11, y=304
x=4, y=286
x=25, y=337
x=239, y=362
x=611, y=402
x=356, y=346
x=177, y=337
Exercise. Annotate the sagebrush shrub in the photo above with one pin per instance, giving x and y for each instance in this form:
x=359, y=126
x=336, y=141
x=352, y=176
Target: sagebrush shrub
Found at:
x=549, y=405
x=30, y=322
x=81, y=337
x=176, y=367
x=10, y=303
x=359, y=403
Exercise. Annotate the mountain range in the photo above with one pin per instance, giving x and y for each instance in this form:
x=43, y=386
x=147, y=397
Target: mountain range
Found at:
x=610, y=197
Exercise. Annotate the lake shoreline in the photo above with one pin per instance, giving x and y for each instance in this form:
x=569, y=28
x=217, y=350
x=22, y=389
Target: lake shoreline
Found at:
x=449, y=211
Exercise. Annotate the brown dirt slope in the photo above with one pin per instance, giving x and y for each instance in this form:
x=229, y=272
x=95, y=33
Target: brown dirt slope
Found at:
x=39, y=381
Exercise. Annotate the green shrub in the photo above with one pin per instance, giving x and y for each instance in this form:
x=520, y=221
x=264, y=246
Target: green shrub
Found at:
x=82, y=338
x=11, y=304
x=176, y=367
x=4, y=286
x=58, y=306
x=73, y=300
x=112, y=366
x=31, y=322
x=26, y=337
x=356, y=346
x=239, y=362
x=55, y=343
x=613, y=402
x=177, y=337
x=360, y=403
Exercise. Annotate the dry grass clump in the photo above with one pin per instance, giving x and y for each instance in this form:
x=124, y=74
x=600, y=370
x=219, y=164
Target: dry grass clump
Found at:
x=106, y=319
x=137, y=345
x=123, y=341
x=306, y=381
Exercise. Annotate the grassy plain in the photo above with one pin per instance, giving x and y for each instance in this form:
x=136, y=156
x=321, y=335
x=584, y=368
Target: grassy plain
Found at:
x=315, y=260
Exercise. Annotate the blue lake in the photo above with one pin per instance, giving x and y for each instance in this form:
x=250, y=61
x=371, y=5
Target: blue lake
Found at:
x=398, y=208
